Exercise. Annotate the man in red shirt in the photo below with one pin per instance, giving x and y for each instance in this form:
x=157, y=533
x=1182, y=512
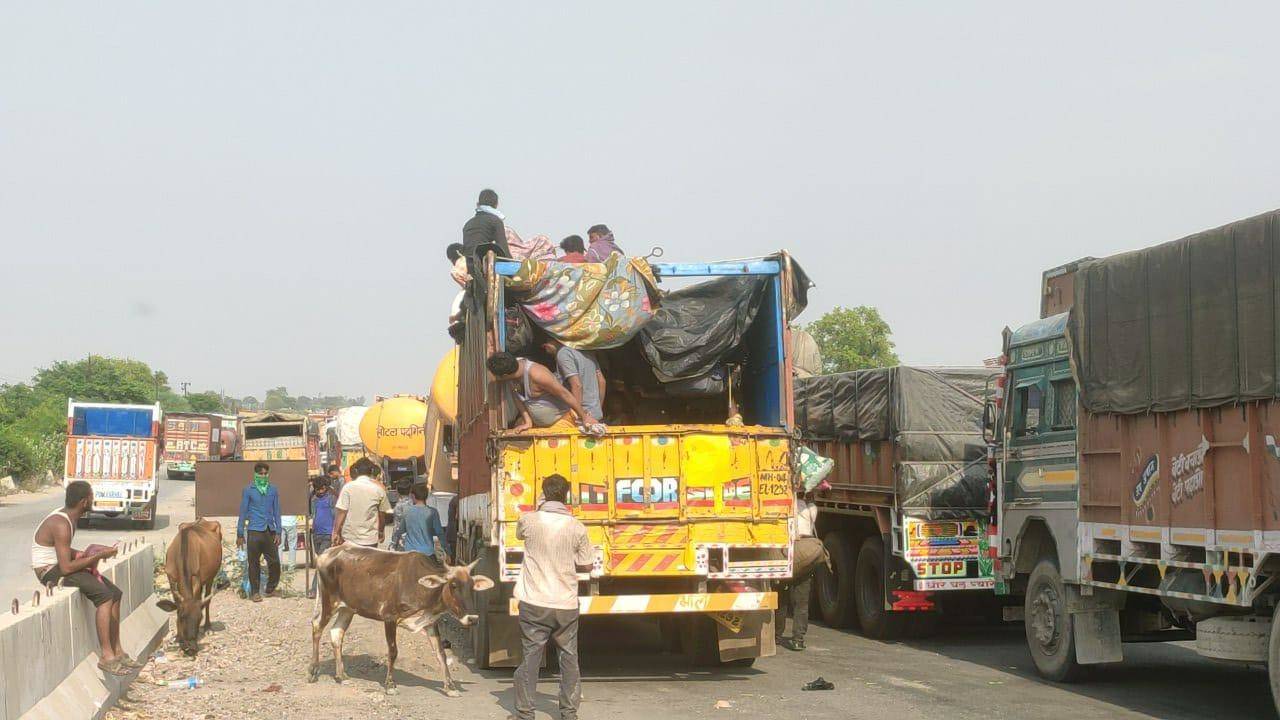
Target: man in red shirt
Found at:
x=575, y=250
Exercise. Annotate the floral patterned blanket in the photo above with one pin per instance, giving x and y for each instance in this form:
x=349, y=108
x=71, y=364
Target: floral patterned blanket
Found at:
x=589, y=306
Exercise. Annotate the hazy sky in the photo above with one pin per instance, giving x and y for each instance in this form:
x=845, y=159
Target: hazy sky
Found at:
x=253, y=194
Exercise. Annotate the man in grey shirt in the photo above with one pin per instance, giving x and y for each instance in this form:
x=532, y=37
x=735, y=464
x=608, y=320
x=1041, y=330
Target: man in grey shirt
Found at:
x=581, y=372
x=556, y=549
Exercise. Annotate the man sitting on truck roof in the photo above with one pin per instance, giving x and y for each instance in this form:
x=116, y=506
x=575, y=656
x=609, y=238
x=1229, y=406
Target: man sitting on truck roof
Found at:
x=575, y=251
x=602, y=244
x=542, y=400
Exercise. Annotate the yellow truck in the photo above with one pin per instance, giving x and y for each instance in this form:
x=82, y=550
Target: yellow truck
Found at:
x=688, y=501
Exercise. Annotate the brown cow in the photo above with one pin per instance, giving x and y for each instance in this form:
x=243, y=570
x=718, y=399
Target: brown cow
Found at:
x=396, y=588
x=192, y=563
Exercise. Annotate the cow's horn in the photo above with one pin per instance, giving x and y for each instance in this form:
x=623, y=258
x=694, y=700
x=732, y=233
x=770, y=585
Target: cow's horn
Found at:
x=472, y=565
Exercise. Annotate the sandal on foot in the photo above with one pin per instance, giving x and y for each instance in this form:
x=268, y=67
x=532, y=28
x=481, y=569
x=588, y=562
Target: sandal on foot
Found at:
x=113, y=667
x=129, y=662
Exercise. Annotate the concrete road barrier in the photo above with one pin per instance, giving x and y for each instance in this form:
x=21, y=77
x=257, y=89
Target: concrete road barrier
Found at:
x=49, y=650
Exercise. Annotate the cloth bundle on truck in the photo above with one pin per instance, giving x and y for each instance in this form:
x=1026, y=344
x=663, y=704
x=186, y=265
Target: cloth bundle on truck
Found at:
x=689, y=516
x=906, y=513
x=1137, y=457
x=116, y=449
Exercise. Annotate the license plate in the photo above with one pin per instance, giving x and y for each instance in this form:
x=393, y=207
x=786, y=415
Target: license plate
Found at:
x=110, y=494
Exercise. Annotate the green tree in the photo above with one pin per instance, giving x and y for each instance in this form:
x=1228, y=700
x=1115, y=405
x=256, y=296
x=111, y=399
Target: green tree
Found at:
x=853, y=339
x=278, y=399
x=103, y=379
x=205, y=402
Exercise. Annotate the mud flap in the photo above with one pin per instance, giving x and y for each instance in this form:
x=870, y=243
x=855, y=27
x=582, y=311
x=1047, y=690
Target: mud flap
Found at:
x=504, y=639
x=754, y=637
x=1096, y=626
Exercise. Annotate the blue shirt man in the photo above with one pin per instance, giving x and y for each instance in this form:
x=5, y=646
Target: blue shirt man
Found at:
x=259, y=510
x=258, y=530
x=423, y=531
x=322, y=512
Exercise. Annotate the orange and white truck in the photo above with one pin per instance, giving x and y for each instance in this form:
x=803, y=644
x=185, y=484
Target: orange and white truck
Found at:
x=188, y=439
x=116, y=449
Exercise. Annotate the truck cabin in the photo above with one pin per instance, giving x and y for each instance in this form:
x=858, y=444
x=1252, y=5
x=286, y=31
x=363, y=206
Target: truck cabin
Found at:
x=1041, y=392
x=750, y=379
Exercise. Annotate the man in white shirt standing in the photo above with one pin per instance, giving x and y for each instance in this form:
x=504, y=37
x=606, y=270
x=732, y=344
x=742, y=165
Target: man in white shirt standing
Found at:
x=362, y=507
x=556, y=549
x=793, y=599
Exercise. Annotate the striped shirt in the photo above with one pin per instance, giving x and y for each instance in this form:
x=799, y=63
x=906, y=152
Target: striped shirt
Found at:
x=555, y=543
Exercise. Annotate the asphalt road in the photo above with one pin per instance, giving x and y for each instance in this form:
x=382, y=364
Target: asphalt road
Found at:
x=968, y=670
x=19, y=515
x=255, y=661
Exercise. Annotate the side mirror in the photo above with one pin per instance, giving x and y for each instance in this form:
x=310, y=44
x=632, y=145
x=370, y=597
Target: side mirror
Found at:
x=989, y=421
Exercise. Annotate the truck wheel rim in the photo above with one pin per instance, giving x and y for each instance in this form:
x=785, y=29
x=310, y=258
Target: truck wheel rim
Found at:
x=1045, y=618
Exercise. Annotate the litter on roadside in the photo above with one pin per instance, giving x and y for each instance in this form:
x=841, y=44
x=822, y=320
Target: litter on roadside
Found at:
x=820, y=683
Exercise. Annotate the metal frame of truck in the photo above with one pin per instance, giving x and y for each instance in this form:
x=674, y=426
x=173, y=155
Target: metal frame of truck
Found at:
x=718, y=603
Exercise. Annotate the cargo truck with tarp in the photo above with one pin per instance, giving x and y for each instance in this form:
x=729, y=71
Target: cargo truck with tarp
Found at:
x=1135, y=443
x=905, y=516
x=687, y=495
x=281, y=436
x=188, y=439
x=116, y=449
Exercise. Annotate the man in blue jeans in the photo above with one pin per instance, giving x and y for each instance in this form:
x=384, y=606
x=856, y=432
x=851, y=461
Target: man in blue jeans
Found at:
x=322, y=500
x=258, y=530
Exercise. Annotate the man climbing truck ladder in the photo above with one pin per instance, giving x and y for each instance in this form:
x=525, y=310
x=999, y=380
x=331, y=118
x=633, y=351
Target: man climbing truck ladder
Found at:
x=688, y=507
x=1135, y=443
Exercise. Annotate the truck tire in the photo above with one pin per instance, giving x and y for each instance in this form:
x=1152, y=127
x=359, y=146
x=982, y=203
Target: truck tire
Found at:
x=1049, y=631
x=834, y=591
x=876, y=622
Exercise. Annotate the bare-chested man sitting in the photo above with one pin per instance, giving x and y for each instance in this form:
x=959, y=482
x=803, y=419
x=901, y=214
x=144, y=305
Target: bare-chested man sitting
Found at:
x=53, y=559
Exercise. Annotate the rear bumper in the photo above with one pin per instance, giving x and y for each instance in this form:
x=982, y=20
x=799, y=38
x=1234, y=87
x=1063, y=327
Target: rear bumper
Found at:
x=135, y=510
x=672, y=603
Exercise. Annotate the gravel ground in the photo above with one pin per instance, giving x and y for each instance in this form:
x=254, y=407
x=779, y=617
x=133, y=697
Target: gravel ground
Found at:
x=255, y=663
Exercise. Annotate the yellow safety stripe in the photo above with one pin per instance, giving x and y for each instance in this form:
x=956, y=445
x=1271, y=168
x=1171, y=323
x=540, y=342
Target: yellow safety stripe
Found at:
x=674, y=603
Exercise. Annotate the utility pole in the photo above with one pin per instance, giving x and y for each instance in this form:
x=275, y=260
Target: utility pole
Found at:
x=184, y=388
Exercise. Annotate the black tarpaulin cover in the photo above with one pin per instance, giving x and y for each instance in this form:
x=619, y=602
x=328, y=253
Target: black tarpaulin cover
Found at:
x=700, y=326
x=697, y=327
x=932, y=415
x=1187, y=324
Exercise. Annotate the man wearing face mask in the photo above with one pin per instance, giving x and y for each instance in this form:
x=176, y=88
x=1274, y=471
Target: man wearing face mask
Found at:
x=258, y=530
